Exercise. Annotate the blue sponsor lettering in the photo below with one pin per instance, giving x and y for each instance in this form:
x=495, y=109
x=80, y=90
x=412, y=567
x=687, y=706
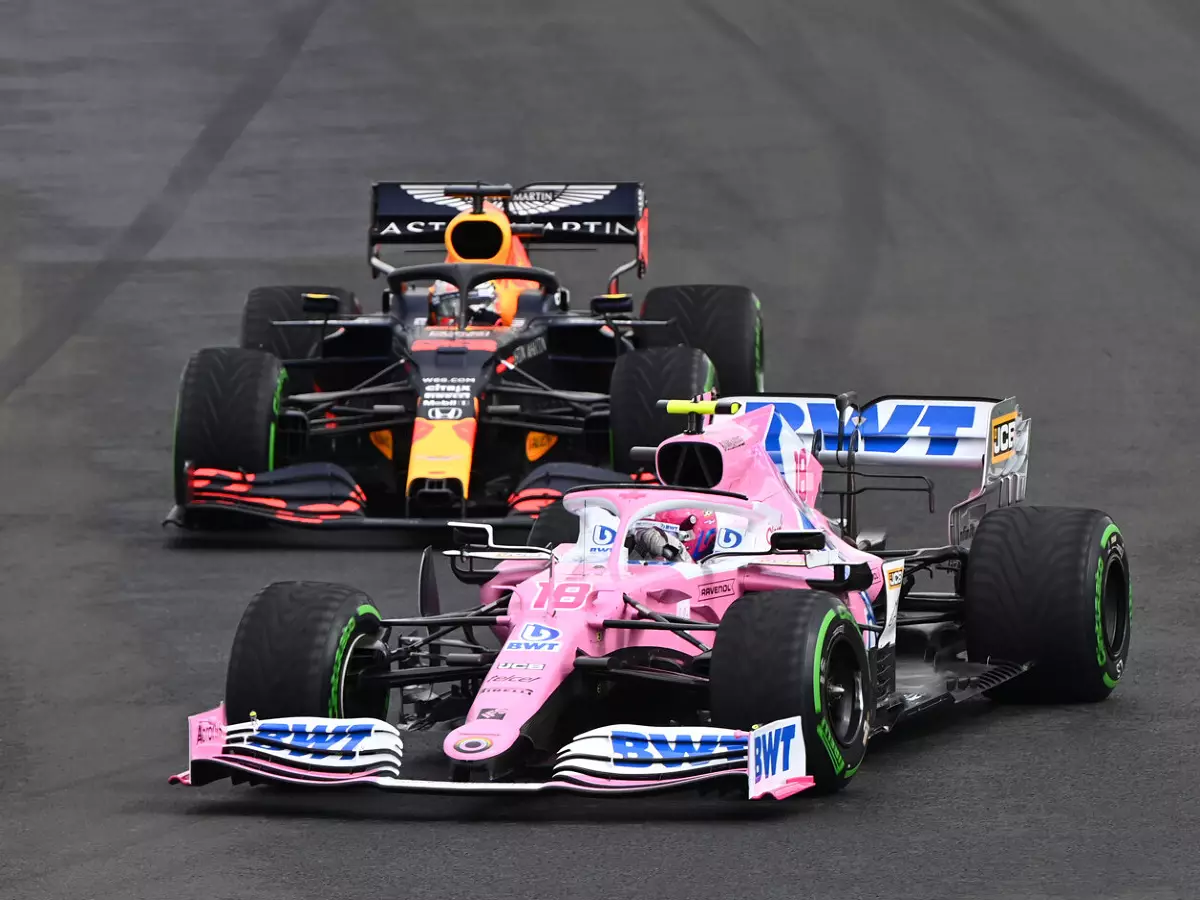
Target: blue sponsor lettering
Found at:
x=942, y=423
x=631, y=748
x=893, y=434
x=773, y=752
x=313, y=739
x=536, y=637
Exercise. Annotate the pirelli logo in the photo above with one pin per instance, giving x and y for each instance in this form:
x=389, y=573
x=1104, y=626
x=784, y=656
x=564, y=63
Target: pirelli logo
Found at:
x=1004, y=437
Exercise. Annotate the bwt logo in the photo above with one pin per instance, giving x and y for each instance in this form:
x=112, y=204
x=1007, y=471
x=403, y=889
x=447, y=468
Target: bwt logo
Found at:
x=773, y=752
x=631, y=748
x=311, y=740
x=729, y=538
x=537, y=637
x=602, y=535
x=942, y=421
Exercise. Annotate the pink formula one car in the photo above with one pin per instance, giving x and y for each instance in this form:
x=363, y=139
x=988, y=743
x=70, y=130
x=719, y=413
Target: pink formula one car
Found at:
x=717, y=629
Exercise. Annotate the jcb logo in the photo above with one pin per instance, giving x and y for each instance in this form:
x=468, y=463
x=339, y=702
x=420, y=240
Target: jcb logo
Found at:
x=1004, y=437
x=895, y=577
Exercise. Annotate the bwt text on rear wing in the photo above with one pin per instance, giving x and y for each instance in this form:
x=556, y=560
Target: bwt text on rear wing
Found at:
x=578, y=213
x=939, y=432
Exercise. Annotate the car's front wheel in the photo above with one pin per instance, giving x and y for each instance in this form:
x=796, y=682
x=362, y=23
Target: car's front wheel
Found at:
x=780, y=654
x=299, y=650
x=226, y=412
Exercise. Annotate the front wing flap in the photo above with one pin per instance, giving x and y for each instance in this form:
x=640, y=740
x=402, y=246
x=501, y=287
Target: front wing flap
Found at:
x=616, y=760
x=312, y=495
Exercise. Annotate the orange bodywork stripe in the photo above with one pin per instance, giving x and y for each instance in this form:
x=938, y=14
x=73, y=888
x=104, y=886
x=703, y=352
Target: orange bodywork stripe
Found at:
x=345, y=506
x=272, y=502
x=222, y=473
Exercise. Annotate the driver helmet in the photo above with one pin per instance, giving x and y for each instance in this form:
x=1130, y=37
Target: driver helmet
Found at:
x=695, y=529
x=444, y=304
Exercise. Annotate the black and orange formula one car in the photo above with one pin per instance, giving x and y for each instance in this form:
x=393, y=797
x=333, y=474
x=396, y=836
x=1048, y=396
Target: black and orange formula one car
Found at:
x=475, y=387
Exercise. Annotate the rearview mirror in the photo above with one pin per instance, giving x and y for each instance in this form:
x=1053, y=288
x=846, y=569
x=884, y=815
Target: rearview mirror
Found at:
x=792, y=541
x=461, y=533
x=643, y=454
x=608, y=304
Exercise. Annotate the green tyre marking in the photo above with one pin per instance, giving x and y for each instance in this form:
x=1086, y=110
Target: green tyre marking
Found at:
x=823, y=730
x=283, y=376
x=1108, y=532
x=759, y=379
x=831, y=747
x=825, y=623
x=339, y=659
x=1101, y=652
x=710, y=379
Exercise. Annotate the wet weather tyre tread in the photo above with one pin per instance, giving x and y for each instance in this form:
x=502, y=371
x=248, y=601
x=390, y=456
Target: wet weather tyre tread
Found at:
x=723, y=320
x=1032, y=594
x=286, y=649
x=764, y=664
x=639, y=380
x=226, y=410
x=274, y=303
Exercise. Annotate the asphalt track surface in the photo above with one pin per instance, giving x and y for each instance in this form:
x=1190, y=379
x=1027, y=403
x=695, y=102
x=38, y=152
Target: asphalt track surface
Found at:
x=936, y=196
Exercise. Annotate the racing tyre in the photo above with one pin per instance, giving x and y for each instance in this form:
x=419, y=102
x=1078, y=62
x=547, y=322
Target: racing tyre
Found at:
x=298, y=651
x=226, y=412
x=723, y=320
x=639, y=380
x=780, y=654
x=1050, y=585
x=274, y=303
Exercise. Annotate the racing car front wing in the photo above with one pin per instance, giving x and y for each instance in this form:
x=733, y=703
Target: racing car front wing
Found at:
x=616, y=760
x=307, y=495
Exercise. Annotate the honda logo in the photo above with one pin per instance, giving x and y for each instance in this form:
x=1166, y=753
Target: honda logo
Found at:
x=444, y=412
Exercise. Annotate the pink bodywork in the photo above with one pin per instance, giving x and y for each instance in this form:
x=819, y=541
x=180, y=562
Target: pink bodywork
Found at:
x=585, y=592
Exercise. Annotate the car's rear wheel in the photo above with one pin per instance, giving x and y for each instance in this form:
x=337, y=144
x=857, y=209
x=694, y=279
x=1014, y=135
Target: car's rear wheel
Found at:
x=723, y=320
x=226, y=412
x=277, y=303
x=780, y=654
x=299, y=650
x=1051, y=586
x=640, y=379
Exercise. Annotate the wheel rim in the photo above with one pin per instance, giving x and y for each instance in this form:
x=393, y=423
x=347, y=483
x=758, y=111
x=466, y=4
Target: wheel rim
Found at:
x=355, y=700
x=1113, y=608
x=843, y=693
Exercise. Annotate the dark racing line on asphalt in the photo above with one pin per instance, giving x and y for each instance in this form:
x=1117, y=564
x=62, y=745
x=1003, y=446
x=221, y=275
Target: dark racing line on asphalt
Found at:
x=157, y=217
x=994, y=233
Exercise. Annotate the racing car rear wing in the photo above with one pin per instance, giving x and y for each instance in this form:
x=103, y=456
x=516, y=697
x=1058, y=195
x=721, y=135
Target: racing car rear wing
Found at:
x=942, y=432
x=578, y=213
